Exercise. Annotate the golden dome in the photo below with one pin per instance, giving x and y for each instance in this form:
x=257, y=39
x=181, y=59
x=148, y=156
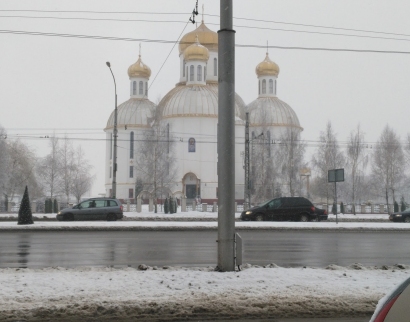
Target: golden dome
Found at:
x=196, y=52
x=267, y=68
x=139, y=69
x=206, y=37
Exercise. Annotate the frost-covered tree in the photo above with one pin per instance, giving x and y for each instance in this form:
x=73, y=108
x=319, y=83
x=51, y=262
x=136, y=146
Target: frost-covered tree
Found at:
x=388, y=162
x=291, y=150
x=82, y=179
x=356, y=161
x=4, y=161
x=155, y=163
x=21, y=170
x=49, y=169
x=327, y=157
x=67, y=167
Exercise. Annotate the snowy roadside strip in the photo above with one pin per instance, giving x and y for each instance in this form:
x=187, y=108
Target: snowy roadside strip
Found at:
x=179, y=294
x=183, y=226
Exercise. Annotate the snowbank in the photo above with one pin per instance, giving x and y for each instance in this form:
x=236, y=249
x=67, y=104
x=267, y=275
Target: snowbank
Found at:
x=106, y=293
x=200, y=225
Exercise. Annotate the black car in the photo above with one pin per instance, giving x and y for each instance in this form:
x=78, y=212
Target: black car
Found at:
x=93, y=209
x=285, y=209
x=401, y=216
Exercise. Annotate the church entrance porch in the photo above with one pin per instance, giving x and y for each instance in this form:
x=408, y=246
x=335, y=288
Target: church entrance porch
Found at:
x=192, y=186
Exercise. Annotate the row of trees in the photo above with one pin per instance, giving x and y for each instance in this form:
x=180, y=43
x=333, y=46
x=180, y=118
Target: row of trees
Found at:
x=63, y=173
x=372, y=171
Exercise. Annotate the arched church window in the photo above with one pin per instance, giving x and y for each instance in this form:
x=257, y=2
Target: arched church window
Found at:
x=187, y=73
x=271, y=86
x=199, y=73
x=132, y=145
x=259, y=87
x=264, y=86
x=215, y=67
x=275, y=86
x=146, y=88
x=168, y=138
x=191, y=72
x=191, y=145
x=141, y=88
x=134, y=88
x=183, y=70
x=268, y=143
x=204, y=73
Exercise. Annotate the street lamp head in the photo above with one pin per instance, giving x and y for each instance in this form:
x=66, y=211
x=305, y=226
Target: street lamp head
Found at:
x=108, y=64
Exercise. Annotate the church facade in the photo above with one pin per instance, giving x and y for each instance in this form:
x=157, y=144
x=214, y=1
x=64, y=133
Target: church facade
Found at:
x=189, y=111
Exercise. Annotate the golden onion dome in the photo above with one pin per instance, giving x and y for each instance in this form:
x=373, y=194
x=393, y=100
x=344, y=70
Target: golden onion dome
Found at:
x=139, y=69
x=206, y=37
x=267, y=68
x=196, y=52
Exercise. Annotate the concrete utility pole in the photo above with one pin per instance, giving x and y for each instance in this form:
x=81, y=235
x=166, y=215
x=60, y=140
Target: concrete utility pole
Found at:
x=247, y=197
x=114, y=168
x=226, y=138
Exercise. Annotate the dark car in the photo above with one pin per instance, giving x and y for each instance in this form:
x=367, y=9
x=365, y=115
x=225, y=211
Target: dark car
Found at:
x=93, y=209
x=285, y=209
x=402, y=216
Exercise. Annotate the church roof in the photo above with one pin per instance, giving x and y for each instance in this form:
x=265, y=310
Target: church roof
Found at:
x=267, y=67
x=135, y=112
x=271, y=111
x=139, y=69
x=206, y=37
x=196, y=101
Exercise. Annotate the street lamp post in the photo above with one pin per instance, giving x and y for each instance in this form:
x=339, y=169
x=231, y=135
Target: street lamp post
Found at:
x=114, y=170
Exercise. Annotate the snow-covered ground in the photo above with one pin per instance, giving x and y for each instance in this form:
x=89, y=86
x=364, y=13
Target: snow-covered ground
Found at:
x=128, y=294
x=178, y=293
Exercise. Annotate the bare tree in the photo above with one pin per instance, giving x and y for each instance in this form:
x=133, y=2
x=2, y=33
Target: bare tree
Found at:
x=264, y=168
x=292, y=151
x=357, y=160
x=407, y=149
x=82, y=179
x=21, y=170
x=156, y=163
x=4, y=161
x=388, y=162
x=49, y=169
x=67, y=167
x=327, y=157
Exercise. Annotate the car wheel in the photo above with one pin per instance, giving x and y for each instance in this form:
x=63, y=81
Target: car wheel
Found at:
x=68, y=217
x=304, y=218
x=111, y=217
x=407, y=219
x=259, y=218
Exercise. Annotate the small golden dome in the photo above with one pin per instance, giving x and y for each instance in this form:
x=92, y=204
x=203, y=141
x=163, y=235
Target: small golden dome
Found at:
x=196, y=52
x=267, y=68
x=206, y=37
x=139, y=69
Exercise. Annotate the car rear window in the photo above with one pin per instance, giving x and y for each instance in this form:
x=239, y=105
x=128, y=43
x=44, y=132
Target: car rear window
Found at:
x=111, y=203
x=99, y=203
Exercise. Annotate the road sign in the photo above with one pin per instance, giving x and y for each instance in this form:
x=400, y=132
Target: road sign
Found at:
x=336, y=175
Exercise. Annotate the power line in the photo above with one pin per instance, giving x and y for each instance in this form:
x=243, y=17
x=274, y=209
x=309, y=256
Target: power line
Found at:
x=208, y=15
x=216, y=24
x=34, y=33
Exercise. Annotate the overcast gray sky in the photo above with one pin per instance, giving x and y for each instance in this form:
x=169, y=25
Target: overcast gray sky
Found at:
x=62, y=85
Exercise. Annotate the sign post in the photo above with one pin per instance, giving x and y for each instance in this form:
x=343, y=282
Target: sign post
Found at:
x=336, y=175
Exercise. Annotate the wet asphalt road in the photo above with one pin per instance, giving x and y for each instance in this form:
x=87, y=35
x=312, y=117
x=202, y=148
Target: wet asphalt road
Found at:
x=199, y=248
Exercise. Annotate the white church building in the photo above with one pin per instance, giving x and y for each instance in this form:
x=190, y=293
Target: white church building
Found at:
x=190, y=110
